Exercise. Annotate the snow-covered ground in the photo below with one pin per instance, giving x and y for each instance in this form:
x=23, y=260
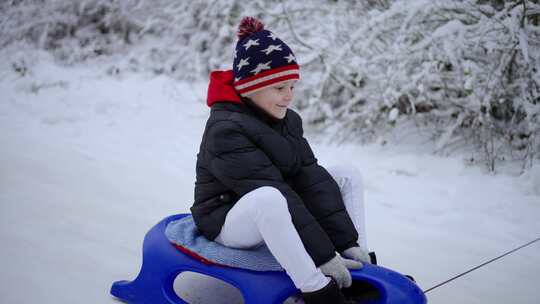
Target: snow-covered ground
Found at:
x=89, y=162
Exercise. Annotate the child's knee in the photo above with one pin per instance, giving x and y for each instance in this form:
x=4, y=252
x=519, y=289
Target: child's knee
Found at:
x=270, y=202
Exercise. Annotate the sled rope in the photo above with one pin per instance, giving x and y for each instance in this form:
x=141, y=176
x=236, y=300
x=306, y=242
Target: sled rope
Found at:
x=481, y=265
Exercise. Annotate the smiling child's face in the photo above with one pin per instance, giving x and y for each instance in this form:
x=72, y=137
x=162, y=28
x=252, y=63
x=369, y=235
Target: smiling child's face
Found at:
x=275, y=99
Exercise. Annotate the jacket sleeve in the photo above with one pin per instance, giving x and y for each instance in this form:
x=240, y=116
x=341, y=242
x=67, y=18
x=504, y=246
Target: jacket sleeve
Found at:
x=322, y=196
x=240, y=165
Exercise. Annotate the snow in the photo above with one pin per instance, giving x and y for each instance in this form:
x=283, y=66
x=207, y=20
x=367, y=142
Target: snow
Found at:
x=392, y=116
x=90, y=161
x=523, y=44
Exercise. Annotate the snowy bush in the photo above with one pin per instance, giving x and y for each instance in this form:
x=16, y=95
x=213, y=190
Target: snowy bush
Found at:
x=182, y=38
x=72, y=30
x=462, y=73
x=467, y=70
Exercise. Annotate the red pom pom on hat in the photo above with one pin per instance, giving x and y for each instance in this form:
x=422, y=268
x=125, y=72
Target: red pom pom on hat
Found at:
x=248, y=26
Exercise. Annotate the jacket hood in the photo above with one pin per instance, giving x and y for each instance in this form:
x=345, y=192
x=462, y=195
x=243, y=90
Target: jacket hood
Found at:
x=220, y=88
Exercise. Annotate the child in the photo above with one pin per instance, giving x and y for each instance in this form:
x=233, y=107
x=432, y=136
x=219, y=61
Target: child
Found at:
x=258, y=181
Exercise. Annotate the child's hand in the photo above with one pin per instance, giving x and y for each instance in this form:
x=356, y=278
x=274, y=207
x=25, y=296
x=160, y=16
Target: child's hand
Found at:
x=357, y=254
x=351, y=264
x=337, y=269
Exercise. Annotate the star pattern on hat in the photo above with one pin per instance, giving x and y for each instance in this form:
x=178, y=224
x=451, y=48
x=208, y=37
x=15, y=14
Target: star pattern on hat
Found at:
x=261, y=67
x=251, y=43
x=242, y=63
x=290, y=58
x=271, y=48
x=272, y=36
x=263, y=51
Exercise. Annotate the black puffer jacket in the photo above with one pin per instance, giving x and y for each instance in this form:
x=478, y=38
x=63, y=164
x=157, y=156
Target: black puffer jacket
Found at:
x=243, y=149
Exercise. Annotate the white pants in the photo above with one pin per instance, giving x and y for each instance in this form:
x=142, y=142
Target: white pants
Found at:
x=262, y=217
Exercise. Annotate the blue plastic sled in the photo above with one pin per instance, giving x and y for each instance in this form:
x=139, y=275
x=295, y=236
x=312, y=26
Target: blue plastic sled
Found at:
x=162, y=262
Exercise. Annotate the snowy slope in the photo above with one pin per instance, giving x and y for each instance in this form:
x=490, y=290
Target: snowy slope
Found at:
x=89, y=162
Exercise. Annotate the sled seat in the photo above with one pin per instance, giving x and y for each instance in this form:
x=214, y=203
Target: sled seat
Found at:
x=163, y=262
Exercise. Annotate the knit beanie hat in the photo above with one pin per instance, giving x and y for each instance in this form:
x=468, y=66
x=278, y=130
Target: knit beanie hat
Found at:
x=261, y=59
